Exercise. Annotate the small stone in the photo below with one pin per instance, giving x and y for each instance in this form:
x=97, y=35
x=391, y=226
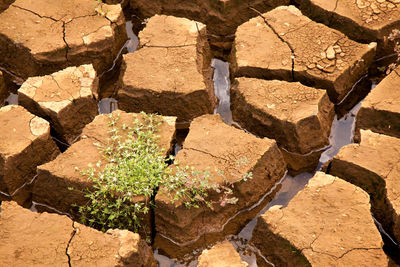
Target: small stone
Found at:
x=330, y=53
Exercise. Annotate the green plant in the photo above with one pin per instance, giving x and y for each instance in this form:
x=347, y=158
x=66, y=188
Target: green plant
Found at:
x=135, y=167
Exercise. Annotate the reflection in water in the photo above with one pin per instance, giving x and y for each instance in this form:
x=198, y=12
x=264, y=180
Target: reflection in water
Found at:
x=342, y=133
x=222, y=87
x=133, y=40
x=107, y=105
x=12, y=99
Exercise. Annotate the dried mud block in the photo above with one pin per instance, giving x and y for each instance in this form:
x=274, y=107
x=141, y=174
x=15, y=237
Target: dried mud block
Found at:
x=43, y=239
x=65, y=98
x=284, y=44
x=374, y=165
x=171, y=73
x=41, y=37
x=221, y=255
x=228, y=154
x=25, y=144
x=364, y=20
x=380, y=110
x=328, y=223
x=298, y=117
x=56, y=177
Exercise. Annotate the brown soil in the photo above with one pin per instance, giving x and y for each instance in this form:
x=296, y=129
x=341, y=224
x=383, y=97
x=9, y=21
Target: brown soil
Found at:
x=43, y=239
x=343, y=232
x=214, y=146
x=364, y=20
x=380, y=111
x=41, y=37
x=65, y=98
x=221, y=255
x=298, y=117
x=25, y=143
x=54, y=178
x=374, y=166
x=178, y=85
x=319, y=56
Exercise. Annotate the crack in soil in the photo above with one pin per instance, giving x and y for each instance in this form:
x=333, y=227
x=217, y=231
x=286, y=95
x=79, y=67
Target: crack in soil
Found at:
x=33, y=12
x=280, y=38
x=74, y=231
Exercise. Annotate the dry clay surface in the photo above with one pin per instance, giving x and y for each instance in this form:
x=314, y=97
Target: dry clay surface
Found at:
x=221, y=255
x=284, y=44
x=328, y=223
x=65, y=98
x=298, y=117
x=374, y=165
x=365, y=20
x=25, y=143
x=380, y=110
x=171, y=73
x=228, y=154
x=39, y=37
x=43, y=239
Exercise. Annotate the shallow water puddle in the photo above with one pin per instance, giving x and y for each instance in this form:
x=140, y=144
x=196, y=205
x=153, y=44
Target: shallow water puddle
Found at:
x=107, y=105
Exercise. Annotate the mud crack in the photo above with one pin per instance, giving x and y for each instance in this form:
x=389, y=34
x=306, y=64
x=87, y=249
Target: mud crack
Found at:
x=33, y=12
x=280, y=38
x=74, y=231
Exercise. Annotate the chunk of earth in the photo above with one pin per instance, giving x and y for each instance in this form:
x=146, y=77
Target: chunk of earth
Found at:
x=374, y=165
x=343, y=232
x=41, y=37
x=44, y=239
x=65, y=98
x=229, y=155
x=284, y=44
x=25, y=143
x=171, y=73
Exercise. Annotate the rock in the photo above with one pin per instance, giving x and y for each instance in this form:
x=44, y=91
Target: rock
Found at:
x=180, y=84
x=298, y=117
x=227, y=154
x=328, y=223
x=221, y=255
x=65, y=98
x=380, y=110
x=374, y=166
x=286, y=45
x=221, y=16
x=3, y=89
x=43, y=239
x=41, y=37
x=363, y=20
x=55, y=177
x=25, y=144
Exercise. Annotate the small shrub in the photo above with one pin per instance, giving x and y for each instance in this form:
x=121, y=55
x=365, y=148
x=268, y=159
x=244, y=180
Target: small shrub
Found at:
x=135, y=167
